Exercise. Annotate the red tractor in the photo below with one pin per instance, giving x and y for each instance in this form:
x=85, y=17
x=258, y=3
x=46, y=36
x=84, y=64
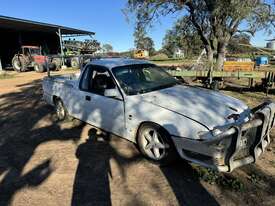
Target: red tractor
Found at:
x=30, y=56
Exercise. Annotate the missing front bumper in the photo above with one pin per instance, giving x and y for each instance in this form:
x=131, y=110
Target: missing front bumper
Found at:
x=238, y=145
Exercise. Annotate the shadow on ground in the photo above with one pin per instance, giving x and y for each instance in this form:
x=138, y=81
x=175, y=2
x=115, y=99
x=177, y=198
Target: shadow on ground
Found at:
x=93, y=176
x=20, y=112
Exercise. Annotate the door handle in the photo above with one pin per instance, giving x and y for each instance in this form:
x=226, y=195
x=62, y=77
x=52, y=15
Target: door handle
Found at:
x=87, y=98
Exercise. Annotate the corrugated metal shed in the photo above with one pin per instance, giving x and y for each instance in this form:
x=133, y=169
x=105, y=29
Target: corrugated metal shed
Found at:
x=15, y=32
x=28, y=25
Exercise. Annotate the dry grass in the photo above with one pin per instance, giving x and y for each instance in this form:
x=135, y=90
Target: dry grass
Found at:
x=6, y=75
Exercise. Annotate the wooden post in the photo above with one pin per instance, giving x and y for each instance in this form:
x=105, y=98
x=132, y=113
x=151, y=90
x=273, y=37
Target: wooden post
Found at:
x=47, y=66
x=1, y=69
x=81, y=62
x=61, y=46
x=250, y=83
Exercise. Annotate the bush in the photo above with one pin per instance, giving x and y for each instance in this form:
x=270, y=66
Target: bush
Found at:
x=159, y=57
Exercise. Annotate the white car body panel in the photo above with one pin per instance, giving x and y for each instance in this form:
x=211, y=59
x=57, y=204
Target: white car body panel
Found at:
x=144, y=111
x=207, y=107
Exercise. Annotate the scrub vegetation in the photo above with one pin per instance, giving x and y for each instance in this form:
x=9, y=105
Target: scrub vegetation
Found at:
x=6, y=75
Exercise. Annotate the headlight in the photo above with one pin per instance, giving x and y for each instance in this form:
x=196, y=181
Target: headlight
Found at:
x=210, y=134
x=216, y=132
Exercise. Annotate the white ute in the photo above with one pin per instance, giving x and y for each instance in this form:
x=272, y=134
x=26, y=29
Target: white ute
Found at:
x=141, y=102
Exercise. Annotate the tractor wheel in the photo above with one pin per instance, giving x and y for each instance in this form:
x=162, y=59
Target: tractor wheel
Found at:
x=57, y=63
x=39, y=68
x=74, y=63
x=18, y=64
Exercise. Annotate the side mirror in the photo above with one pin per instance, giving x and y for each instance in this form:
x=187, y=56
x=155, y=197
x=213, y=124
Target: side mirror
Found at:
x=112, y=93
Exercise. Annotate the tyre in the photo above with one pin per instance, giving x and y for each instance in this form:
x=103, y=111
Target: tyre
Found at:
x=75, y=63
x=51, y=66
x=39, y=68
x=18, y=64
x=214, y=85
x=60, y=110
x=56, y=64
x=155, y=144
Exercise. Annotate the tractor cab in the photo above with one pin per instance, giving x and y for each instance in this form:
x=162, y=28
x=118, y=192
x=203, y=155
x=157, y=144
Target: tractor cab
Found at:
x=31, y=50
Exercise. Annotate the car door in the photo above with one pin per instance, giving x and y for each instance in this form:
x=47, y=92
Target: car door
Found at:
x=104, y=112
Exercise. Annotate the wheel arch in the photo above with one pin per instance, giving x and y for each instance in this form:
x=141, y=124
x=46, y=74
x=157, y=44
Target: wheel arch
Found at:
x=150, y=122
x=170, y=152
x=55, y=99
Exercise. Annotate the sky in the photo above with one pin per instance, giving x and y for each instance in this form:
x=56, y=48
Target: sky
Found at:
x=104, y=17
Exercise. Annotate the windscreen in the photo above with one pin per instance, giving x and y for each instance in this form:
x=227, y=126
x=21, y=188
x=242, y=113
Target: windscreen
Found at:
x=35, y=51
x=142, y=78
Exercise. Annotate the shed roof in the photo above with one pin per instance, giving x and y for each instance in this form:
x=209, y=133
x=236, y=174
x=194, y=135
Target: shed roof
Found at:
x=28, y=25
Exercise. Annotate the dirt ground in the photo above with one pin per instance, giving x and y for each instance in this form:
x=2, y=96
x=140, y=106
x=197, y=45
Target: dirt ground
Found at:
x=45, y=162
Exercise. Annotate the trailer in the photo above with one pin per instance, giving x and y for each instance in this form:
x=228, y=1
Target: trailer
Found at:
x=212, y=79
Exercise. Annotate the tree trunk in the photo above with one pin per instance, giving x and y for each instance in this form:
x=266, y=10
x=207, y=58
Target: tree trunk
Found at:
x=220, y=55
x=210, y=55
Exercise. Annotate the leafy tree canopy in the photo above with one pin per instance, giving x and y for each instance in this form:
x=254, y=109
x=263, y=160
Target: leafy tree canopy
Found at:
x=215, y=21
x=182, y=36
x=142, y=41
x=107, y=48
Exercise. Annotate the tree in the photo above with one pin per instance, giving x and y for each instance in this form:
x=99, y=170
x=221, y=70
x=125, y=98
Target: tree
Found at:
x=149, y=45
x=216, y=21
x=107, y=48
x=182, y=36
x=239, y=44
x=142, y=41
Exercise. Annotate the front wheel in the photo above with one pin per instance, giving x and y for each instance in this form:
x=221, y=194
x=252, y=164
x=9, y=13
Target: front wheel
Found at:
x=60, y=110
x=155, y=143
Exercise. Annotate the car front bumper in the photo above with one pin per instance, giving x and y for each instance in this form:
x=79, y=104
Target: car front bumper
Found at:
x=239, y=145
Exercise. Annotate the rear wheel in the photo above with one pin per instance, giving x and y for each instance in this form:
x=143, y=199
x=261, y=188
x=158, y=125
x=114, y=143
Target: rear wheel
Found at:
x=39, y=68
x=155, y=143
x=60, y=110
x=18, y=64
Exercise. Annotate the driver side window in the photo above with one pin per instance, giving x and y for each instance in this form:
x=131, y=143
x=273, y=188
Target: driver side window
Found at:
x=96, y=80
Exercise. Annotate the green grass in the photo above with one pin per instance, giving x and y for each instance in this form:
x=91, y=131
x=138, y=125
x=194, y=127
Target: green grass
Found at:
x=72, y=69
x=215, y=178
x=251, y=98
x=6, y=75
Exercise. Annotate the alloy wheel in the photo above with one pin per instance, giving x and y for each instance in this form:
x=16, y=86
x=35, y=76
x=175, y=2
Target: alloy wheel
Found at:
x=153, y=144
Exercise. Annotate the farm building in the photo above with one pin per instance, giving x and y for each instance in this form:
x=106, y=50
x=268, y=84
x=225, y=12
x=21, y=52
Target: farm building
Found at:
x=271, y=44
x=18, y=32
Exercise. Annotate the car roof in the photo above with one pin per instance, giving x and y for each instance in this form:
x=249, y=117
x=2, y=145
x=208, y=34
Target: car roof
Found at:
x=116, y=62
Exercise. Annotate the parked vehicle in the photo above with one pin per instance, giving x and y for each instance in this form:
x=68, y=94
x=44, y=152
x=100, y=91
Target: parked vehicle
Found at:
x=141, y=54
x=141, y=102
x=29, y=56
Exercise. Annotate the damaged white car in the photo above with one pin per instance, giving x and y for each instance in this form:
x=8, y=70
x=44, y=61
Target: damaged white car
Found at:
x=141, y=102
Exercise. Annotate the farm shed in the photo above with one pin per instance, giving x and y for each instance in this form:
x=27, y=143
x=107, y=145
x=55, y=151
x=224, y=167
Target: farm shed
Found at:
x=16, y=32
